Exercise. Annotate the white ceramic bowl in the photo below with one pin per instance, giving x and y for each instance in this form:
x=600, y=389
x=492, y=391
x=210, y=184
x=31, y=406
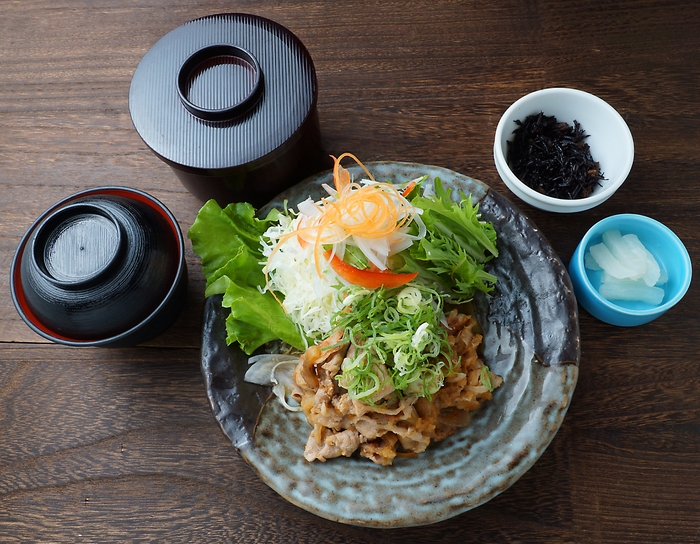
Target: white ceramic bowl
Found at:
x=609, y=138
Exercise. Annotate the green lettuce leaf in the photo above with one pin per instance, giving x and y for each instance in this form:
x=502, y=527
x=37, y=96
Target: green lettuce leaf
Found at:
x=220, y=234
x=256, y=319
x=228, y=243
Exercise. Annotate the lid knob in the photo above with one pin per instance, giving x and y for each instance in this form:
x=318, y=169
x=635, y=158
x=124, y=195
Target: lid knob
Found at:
x=77, y=245
x=219, y=82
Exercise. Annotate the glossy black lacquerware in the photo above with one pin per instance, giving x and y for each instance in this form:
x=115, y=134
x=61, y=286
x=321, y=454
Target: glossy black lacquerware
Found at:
x=104, y=267
x=531, y=339
x=229, y=102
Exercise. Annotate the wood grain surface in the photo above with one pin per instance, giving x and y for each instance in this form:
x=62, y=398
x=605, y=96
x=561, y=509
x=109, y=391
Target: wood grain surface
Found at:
x=120, y=445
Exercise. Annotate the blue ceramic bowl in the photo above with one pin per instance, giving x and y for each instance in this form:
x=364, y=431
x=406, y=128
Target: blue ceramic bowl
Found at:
x=663, y=244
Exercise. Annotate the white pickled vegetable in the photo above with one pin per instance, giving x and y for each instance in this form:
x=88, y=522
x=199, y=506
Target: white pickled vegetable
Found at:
x=622, y=250
x=629, y=270
x=631, y=290
x=653, y=271
x=590, y=263
x=609, y=263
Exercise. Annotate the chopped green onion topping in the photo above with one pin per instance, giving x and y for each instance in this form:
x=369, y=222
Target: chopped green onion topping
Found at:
x=486, y=378
x=401, y=348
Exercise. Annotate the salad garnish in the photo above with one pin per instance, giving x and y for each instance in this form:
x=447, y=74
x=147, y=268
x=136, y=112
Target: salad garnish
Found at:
x=371, y=216
x=377, y=259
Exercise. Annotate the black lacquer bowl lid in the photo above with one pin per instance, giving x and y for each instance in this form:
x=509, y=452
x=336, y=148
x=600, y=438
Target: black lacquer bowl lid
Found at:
x=229, y=102
x=104, y=267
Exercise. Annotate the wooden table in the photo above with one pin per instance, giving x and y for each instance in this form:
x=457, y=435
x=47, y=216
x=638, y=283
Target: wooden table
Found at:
x=107, y=445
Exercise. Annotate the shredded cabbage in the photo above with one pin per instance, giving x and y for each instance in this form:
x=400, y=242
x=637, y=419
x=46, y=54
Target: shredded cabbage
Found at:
x=310, y=300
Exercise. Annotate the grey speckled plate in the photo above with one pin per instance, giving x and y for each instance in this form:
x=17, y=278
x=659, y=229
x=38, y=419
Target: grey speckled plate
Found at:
x=531, y=339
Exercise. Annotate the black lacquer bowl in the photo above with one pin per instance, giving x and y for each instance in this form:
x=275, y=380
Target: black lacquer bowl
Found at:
x=228, y=101
x=531, y=339
x=103, y=267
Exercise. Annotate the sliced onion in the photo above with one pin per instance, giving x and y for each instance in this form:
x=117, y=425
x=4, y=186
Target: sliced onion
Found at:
x=262, y=366
x=376, y=250
x=276, y=370
x=399, y=246
x=308, y=207
x=330, y=190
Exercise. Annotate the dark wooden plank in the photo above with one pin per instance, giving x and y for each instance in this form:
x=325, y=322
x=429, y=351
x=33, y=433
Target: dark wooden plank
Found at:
x=120, y=445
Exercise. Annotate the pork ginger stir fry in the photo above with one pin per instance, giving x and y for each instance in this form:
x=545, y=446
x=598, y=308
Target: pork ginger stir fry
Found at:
x=392, y=425
x=357, y=281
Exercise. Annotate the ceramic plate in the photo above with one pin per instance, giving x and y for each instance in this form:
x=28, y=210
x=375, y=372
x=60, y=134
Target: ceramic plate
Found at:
x=531, y=338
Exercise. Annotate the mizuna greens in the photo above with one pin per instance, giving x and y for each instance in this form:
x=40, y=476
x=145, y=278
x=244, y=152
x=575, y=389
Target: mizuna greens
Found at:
x=376, y=259
x=455, y=247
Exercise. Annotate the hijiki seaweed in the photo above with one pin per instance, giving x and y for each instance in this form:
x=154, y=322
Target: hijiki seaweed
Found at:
x=553, y=158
